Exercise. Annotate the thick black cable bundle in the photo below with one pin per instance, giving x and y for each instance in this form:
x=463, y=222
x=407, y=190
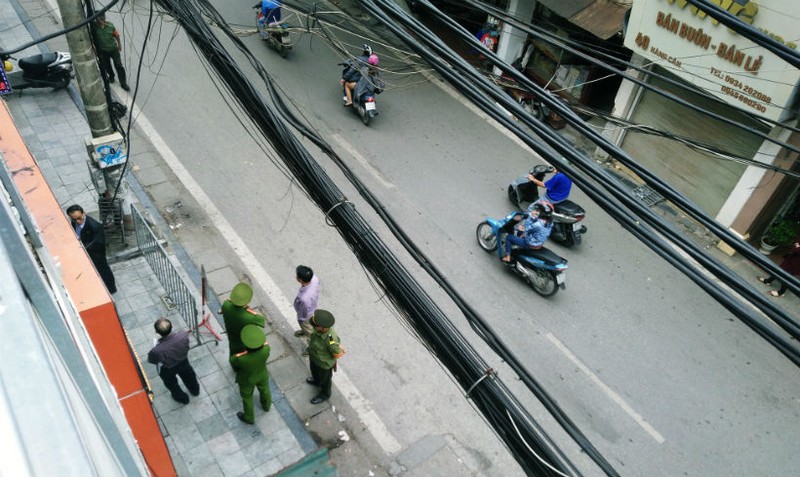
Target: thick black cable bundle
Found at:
x=511, y=422
x=489, y=93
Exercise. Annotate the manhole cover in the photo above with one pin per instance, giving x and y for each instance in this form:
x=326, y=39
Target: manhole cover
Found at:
x=647, y=195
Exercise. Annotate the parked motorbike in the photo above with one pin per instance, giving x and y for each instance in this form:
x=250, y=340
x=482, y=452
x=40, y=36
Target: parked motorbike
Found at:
x=276, y=36
x=567, y=215
x=47, y=70
x=542, y=269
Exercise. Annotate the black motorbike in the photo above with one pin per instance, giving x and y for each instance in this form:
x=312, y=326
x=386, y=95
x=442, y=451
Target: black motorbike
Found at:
x=364, y=104
x=567, y=215
x=47, y=70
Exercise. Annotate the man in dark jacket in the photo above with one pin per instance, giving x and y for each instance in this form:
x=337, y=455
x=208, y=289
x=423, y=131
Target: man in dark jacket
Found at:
x=93, y=237
x=171, y=357
x=251, y=371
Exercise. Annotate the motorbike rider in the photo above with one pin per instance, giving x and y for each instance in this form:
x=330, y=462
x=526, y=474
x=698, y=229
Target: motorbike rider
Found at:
x=557, y=188
x=352, y=72
x=370, y=81
x=270, y=15
x=533, y=232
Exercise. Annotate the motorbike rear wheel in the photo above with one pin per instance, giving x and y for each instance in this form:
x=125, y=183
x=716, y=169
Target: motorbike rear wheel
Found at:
x=486, y=238
x=512, y=195
x=364, y=116
x=543, y=282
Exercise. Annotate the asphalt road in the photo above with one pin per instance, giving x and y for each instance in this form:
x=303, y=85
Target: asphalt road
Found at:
x=659, y=377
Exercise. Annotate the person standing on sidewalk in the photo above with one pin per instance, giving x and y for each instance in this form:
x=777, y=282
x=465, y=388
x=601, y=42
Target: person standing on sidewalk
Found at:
x=237, y=315
x=324, y=348
x=171, y=357
x=251, y=372
x=305, y=303
x=91, y=234
x=108, y=47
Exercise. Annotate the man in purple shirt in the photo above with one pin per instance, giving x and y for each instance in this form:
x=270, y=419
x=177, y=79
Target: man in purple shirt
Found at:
x=305, y=303
x=171, y=357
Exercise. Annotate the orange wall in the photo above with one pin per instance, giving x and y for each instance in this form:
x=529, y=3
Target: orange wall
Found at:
x=87, y=292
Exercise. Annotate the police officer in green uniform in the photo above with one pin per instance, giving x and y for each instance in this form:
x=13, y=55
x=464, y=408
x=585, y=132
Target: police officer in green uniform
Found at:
x=237, y=315
x=251, y=371
x=324, y=348
x=108, y=47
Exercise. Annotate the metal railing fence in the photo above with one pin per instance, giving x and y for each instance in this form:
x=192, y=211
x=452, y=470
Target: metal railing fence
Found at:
x=179, y=294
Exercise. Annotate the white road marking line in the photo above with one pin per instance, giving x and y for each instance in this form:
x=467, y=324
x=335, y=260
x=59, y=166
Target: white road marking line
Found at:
x=610, y=392
x=360, y=404
x=338, y=139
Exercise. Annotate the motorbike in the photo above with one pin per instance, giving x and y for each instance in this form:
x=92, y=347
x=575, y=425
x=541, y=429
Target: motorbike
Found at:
x=541, y=268
x=567, y=215
x=363, y=105
x=47, y=70
x=276, y=35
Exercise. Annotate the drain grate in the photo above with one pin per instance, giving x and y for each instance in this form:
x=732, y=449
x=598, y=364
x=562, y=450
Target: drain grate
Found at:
x=647, y=195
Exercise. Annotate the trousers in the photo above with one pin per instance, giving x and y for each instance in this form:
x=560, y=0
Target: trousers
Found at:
x=246, y=392
x=188, y=376
x=106, y=58
x=324, y=378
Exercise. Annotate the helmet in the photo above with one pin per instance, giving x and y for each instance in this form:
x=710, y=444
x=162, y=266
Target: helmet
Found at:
x=241, y=294
x=545, y=209
x=373, y=60
x=367, y=50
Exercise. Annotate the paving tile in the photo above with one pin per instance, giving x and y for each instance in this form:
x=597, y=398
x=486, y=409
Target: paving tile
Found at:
x=200, y=461
x=187, y=438
x=291, y=456
x=215, y=382
x=234, y=464
x=281, y=441
x=135, y=287
x=223, y=445
x=271, y=467
x=247, y=435
x=227, y=400
x=202, y=408
x=213, y=426
x=177, y=419
x=270, y=422
x=258, y=453
x=205, y=365
x=223, y=279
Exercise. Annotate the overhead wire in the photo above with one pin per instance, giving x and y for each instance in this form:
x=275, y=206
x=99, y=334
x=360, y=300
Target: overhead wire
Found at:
x=462, y=361
x=656, y=183
x=452, y=61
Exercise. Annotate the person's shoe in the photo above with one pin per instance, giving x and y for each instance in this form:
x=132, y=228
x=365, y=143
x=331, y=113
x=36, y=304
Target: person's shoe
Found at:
x=318, y=399
x=313, y=381
x=195, y=393
x=775, y=294
x=126, y=87
x=240, y=415
x=764, y=280
x=266, y=408
x=110, y=79
x=348, y=105
x=299, y=333
x=184, y=400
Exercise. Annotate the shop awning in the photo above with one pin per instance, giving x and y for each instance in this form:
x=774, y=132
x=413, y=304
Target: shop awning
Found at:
x=602, y=18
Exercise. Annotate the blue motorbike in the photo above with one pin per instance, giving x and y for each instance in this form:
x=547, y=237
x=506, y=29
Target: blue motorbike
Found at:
x=541, y=268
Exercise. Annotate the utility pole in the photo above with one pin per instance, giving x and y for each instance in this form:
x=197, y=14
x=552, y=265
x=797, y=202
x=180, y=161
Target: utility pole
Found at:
x=86, y=71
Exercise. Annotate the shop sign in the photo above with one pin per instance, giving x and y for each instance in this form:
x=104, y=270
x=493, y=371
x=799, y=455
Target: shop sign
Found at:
x=704, y=52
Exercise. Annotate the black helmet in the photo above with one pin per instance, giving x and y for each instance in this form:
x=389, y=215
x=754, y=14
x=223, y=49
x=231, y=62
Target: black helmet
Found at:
x=366, y=49
x=545, y=209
